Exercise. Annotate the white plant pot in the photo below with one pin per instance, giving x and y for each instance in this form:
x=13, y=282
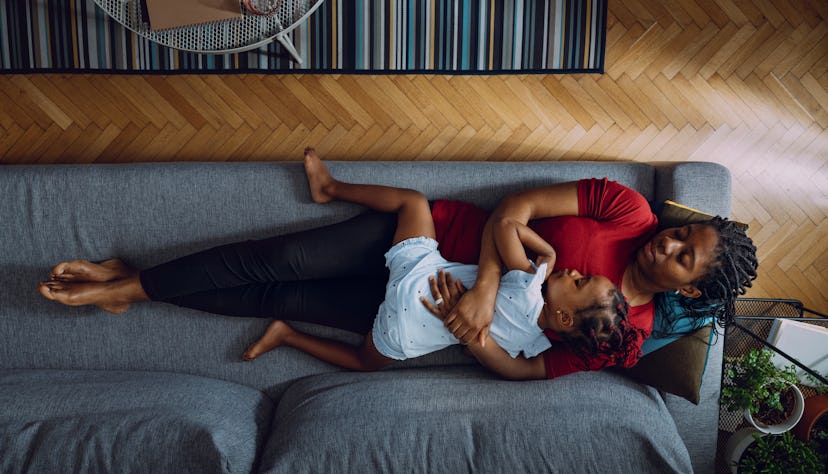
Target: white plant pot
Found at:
x=796, y=415
x=736, y=446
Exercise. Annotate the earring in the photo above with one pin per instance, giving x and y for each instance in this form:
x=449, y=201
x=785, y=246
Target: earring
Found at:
x=677, y=292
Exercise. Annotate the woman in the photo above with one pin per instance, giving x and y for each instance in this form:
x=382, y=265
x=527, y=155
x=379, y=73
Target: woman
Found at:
x=597, y=227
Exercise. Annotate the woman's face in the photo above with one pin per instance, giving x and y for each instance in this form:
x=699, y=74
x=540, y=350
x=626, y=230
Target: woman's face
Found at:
x=676, y=257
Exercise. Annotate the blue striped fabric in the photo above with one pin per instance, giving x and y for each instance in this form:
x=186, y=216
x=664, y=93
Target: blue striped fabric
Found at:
x=343, y=36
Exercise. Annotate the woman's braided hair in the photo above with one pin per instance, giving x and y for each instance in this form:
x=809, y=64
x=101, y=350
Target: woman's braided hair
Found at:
x=731, y=274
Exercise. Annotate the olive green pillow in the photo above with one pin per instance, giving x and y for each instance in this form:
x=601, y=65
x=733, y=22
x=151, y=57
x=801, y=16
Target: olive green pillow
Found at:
x=674, y=214
x=676, y=368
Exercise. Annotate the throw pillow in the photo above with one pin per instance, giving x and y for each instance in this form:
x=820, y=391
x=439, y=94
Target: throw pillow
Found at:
x=674, y=214
x=676, y=367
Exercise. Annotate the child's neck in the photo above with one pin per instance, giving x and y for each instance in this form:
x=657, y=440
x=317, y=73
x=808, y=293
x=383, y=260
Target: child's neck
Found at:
x=546, y=318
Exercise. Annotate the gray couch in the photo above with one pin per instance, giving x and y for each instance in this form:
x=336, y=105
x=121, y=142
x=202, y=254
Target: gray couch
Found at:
x=164, y=389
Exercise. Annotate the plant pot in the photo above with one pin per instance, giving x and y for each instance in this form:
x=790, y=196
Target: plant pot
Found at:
x=736, y=446
x=796, y=415
x=815, y=407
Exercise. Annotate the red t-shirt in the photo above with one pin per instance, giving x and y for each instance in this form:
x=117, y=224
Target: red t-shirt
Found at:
x=613, y=222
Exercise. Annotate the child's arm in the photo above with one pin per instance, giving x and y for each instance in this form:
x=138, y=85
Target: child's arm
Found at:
x=512, y=238
x=494, y=358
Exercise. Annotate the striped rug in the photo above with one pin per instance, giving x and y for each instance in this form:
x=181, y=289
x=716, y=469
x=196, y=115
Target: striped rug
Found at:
x=371, y=36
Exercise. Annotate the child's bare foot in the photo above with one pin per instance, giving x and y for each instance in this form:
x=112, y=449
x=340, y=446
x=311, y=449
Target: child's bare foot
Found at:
x=273, y=337
x=83, y=270
x=104, y=295
x=319, y=179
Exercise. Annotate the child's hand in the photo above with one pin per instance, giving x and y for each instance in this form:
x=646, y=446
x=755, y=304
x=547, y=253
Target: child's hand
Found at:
x=549, y=260
x=446, y=293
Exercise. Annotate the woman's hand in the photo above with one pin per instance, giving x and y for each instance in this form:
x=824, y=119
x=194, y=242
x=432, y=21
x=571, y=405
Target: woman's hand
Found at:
x=446, y=292
x=461, y=310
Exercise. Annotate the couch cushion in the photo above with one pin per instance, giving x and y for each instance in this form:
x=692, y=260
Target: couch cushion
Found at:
x=461, y=421
x=95, y=421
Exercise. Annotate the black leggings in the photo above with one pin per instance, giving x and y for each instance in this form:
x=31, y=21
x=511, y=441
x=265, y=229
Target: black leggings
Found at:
x=333, y=275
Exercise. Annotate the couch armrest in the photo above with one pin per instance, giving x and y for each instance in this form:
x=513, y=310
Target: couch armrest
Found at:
x=691, y=184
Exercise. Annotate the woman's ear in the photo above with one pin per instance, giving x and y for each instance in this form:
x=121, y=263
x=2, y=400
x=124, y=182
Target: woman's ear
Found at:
x=689, y=291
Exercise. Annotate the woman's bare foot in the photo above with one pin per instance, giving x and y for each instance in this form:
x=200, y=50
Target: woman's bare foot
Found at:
x=111, y=296
x=86, y=271
x=273, y=337
x=319, y=179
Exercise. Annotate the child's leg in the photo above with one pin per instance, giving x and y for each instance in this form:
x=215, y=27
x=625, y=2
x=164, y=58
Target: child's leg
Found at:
x=414, y=215
x=364, y=358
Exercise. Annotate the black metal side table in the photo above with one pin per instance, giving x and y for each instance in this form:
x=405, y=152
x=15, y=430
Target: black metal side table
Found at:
x=754, y=319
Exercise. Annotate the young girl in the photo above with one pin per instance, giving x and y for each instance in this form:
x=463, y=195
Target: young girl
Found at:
x=586, y=312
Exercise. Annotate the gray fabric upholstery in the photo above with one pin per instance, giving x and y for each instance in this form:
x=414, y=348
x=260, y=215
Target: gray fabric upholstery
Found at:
x=149, y=213
x=703, y=186
x=465, y=421
x=95, y=421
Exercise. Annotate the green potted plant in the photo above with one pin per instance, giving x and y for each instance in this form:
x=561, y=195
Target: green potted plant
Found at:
x=783, y=454
x=767, y=394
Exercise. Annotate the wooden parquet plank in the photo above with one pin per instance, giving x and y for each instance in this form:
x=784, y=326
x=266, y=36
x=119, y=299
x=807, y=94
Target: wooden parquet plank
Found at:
x=297, y=95
x=643, y=98
x=816, y=10
x=691, y=42
x=239, y=100
x=169, y=113
x=469, y=97
x=524, y=92
x=770, y=12
x=762, y=50
x=84, y=89
x=623, y=101
x=803, y=96
x=41, y=108
x=812, y=56
x=680, y=102
x=403, y=105
x=515, y=104
x=13, y=113
x=730, y=48
x=53, y=151
x=108, y=91
x=272, y=109
x=793, y=106
x=733, y=12
x=618, y=12
x=563, y=100
x=83, y=110
x=586, y=102
x=681, y=15
x=124, y=87
x=789, y=10
x=707, y=51
x=714, y=11
x=433, y=103
x=643, y=139
x=602, y=97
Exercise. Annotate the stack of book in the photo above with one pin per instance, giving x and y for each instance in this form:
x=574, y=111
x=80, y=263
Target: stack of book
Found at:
x=167, y=14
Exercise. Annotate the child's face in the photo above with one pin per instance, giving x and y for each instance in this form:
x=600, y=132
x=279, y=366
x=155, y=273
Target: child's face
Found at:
x=568, y=290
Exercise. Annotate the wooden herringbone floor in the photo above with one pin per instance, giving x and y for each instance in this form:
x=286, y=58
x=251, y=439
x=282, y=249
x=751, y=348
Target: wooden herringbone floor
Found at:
x=740, y=82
